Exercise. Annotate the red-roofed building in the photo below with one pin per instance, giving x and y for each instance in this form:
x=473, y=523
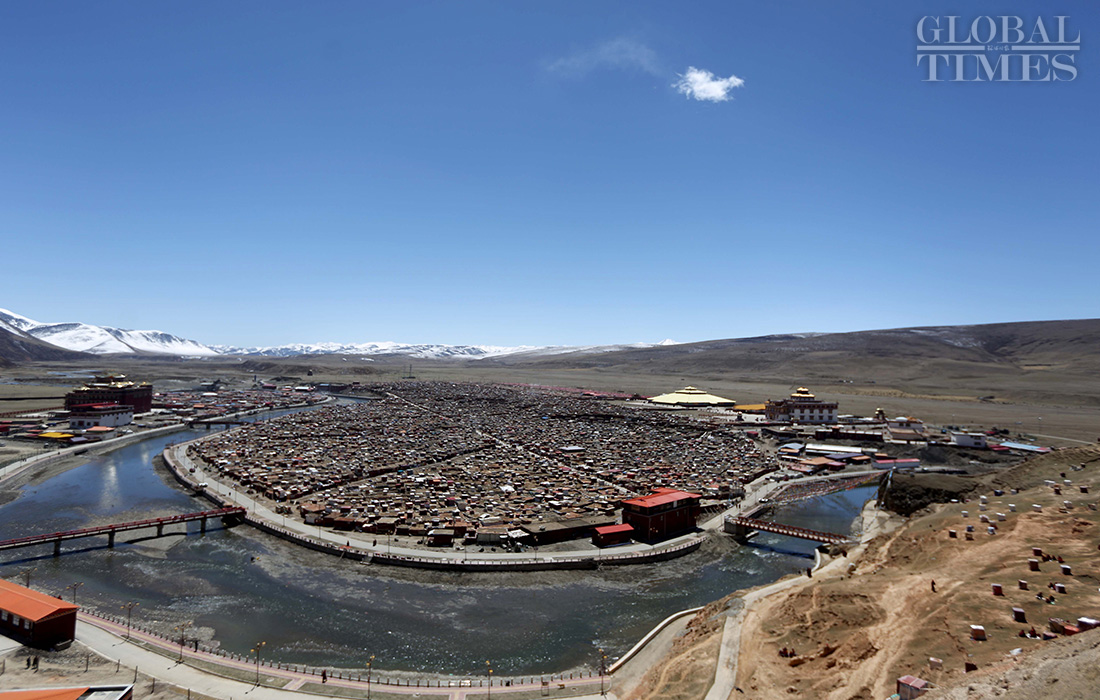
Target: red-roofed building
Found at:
x=611, y=535
x=112, y=390
x=45, y=694
x=662, y=514
x=102, y=692
x=34, y=618
x=94, y=415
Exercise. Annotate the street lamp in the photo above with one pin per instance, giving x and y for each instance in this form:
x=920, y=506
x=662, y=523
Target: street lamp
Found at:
x=489, y=673
x=129, y=608
x=75, y=586
x=182, y=628
x=256, y=651
x=603, y=670
x=370, y=667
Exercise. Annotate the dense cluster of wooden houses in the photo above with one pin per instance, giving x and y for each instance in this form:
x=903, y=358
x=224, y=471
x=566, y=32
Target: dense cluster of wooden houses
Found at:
x=486, y=463
x=207, y=405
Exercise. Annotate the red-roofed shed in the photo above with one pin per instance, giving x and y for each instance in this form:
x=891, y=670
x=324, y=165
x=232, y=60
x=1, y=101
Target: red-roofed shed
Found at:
x=610, y=535
x=34, y=618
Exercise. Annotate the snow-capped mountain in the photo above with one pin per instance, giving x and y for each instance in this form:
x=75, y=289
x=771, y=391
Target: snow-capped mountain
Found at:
x=419, y=351
x=425, y=351
x=102, y=340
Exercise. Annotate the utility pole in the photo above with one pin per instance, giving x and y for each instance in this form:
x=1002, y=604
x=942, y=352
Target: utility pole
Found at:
x=129, y=608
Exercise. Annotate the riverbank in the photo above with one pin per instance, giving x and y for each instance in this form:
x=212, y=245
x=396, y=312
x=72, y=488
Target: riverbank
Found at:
x=49, y=464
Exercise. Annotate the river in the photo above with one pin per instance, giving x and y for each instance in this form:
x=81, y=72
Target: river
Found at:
x=241, y=586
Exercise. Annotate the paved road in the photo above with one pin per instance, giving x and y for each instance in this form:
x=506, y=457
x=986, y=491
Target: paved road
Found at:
x=107, y=638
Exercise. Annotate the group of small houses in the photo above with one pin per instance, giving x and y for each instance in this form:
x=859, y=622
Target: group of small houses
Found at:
x=910, y=686
x=653, y=518
x=488, y=465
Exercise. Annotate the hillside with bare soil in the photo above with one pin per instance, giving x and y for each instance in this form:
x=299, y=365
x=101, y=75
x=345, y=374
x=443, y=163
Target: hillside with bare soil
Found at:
x=865, y=620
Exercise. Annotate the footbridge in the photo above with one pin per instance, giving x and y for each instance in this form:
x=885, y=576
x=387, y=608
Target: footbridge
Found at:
x=741, y=527
x=227, y=514
x=214, y=421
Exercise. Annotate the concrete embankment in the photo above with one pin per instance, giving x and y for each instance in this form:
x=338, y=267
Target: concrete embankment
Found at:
x=223, y=496
x=91, y=450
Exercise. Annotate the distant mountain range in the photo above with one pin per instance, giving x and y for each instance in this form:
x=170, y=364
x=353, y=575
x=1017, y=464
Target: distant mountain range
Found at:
x=1051, y=362
x=1043, y=362
x=424, y=351
x=1040, y=346
x=103, y=340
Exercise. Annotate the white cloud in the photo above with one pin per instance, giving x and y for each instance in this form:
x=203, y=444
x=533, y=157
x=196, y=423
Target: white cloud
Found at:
x=705, y=86
x=621, y=53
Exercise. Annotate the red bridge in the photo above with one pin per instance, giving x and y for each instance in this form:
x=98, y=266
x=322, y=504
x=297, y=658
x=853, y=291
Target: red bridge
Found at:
x=58, y=537
x=741, y=527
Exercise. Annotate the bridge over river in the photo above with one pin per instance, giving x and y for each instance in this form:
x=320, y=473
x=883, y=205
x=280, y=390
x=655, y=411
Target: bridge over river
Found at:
x=57, y=538
x=741, y=527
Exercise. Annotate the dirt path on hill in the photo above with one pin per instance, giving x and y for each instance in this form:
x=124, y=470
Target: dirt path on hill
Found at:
x=865, y=620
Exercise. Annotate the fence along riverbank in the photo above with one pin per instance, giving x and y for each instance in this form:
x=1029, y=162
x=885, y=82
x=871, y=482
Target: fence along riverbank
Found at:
x=233, y=666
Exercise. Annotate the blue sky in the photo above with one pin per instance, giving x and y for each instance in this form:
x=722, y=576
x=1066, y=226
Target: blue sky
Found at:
x=255, y=173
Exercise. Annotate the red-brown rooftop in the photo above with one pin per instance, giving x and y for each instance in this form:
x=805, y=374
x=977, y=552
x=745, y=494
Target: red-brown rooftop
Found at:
x=661, y=497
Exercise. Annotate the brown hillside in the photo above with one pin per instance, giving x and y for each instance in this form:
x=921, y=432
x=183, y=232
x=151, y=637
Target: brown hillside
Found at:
x=1044, y=361
x=15, y=349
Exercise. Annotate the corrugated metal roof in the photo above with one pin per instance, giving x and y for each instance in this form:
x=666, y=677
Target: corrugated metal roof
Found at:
x=1024, y=447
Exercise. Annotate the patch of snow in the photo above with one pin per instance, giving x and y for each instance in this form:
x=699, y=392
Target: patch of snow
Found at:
x=160, y=342
x=14, y=320
x=80, y=337
x=951, y=336
x=421, y=351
